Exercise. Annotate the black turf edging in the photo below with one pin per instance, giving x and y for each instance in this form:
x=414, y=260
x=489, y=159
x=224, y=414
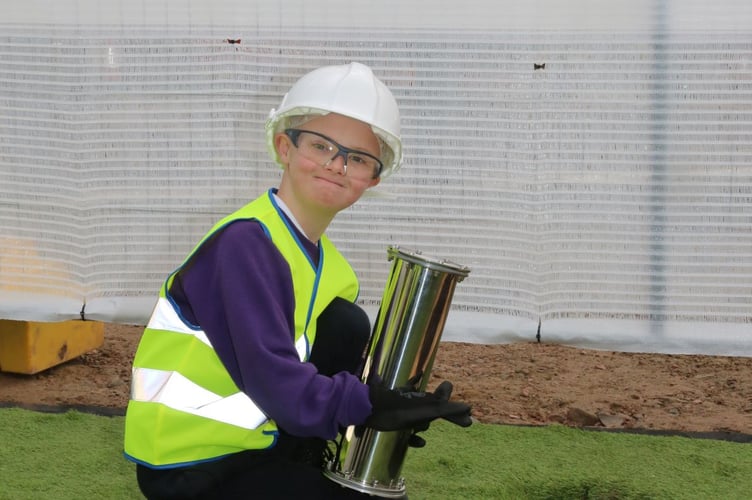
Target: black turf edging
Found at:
x=106, y=411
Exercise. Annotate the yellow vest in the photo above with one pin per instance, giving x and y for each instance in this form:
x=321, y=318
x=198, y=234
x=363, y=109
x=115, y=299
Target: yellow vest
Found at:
x=184, y=406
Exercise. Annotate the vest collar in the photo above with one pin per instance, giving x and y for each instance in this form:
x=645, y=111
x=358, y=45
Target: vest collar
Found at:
x=286, y=210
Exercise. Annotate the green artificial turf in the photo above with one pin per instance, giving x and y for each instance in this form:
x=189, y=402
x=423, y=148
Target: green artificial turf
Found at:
x=75, y=455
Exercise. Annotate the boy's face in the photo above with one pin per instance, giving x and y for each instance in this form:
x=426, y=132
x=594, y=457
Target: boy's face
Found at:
x=325, y=188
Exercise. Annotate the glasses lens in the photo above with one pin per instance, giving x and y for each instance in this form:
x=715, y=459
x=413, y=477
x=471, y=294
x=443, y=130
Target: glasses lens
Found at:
x=363, y=163
x=315, y=147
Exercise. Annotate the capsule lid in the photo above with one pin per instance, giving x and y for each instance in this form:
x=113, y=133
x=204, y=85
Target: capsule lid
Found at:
x=418, y=258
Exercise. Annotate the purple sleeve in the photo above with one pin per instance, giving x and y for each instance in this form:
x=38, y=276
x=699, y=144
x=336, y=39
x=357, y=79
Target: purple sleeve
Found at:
x=238, y=288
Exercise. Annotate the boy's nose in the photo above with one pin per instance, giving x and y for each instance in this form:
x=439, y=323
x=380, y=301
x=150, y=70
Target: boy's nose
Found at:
x=331, y=164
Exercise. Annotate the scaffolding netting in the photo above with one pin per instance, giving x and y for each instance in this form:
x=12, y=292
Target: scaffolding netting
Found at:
x=592, y=167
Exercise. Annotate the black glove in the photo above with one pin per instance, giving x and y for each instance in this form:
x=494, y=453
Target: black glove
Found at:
x=399, y=409
x=444, y=392
x=415, y=441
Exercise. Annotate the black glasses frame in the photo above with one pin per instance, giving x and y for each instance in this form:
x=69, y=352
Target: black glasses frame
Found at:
x=294, y=134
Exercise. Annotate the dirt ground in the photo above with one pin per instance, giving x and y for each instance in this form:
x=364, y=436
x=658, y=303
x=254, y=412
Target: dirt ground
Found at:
x=522, y=383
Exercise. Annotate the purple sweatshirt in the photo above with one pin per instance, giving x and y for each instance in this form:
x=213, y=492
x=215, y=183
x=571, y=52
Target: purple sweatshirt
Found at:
x=238, y=288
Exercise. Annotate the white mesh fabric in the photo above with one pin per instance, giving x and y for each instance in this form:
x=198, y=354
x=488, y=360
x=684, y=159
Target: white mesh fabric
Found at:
x=607, y=194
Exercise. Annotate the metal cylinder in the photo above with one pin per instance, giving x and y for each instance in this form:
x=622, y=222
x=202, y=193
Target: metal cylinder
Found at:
x=402, y=349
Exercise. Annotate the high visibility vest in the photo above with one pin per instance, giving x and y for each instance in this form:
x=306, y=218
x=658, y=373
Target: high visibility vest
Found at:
x=184, y=406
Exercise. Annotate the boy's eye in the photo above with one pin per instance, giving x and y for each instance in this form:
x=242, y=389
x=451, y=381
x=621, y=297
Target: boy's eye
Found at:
x=321, y=146
x=356, y=158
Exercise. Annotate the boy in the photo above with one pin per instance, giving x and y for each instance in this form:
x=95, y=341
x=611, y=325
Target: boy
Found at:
x=248, y=364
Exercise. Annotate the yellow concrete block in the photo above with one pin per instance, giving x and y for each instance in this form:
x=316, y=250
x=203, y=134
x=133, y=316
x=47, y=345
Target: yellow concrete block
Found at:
x=29, y=347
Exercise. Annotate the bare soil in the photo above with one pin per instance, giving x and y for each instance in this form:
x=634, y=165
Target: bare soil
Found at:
x=521, y=383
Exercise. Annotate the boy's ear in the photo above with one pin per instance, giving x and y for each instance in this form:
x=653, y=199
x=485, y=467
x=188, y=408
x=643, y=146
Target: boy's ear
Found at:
x=282, y=145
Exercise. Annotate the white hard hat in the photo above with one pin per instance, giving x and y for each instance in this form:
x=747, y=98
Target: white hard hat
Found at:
x=350, y=90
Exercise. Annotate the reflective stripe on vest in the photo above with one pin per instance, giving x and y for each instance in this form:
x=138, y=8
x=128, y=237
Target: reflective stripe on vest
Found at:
x=177, y=392
x=164, y=317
